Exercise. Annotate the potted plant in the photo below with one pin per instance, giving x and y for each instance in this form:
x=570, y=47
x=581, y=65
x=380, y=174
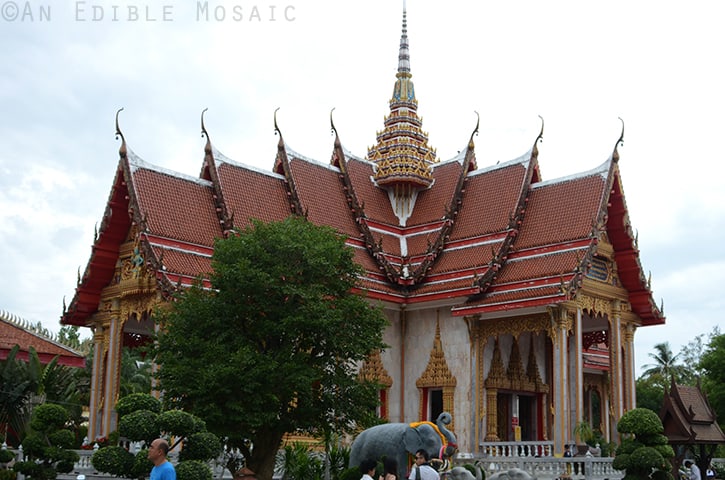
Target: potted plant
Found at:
x=584, y=434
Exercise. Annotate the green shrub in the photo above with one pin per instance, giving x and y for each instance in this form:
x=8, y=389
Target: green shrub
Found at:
x=640, y=421
x=62, y=438
x=139, y=425
x=193, y=470
x=6, y=456
x=142, y=465
x=8, y=474
x=114, y=460
x=137, y=401
x=48, y=417
x=178, y=421
x=200, y=446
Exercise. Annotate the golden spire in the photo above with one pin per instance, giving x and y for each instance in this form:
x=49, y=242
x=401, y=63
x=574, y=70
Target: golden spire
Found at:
x=402, y=154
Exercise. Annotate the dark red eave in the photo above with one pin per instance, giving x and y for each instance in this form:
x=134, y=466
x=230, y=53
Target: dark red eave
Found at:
x=627, y=258
x=102, y=263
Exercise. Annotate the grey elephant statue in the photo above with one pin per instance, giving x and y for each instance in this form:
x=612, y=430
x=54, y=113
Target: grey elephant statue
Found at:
x=397, y=440
x=462, y=473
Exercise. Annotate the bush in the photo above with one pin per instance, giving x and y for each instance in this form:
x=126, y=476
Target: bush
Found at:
x=137, y=401
x=200, y=446
x=142, y=465
x=193, y=470
x=48, y=417
x=177, y=421
x=139, y=425
x=640, y=421
x=6, y=456
x=8, y=474
x=114, y=460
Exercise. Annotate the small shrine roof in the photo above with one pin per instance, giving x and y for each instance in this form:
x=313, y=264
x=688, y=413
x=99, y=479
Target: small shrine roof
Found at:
x=17, y=331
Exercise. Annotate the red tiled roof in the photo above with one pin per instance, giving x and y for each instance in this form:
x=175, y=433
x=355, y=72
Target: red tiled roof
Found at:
x=192, y=218
x=12, y=334
x=536, y=234
x=489, y=199
x=560, y=212
x=250, y=194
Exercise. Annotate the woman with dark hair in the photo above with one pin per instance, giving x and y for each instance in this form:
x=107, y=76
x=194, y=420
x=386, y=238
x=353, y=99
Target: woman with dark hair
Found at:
x=390, y=469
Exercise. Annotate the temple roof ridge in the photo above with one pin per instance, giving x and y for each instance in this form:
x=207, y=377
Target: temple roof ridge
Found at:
x=293, y=154
x=523, y=159
x=28, y=327
x=602, y=170
x=221, y=158
x=135, y=163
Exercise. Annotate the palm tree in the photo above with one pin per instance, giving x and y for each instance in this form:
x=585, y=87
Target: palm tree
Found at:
x=665, y=366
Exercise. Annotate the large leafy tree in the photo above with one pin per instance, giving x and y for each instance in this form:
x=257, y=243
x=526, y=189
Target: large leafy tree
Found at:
x=273, y=346
x=712, y=363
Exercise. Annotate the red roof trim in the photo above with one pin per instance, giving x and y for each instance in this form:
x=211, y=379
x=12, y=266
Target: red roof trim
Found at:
x=506, y=306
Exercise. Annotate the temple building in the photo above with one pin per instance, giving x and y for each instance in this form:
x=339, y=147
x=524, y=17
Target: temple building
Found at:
x=513, y=301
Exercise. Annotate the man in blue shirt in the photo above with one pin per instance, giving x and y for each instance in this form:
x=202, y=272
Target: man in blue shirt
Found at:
x=163, y=470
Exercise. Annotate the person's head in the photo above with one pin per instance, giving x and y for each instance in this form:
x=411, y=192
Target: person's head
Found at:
x=368, y=466
x=390, y=465
x=688, y=463
x=158, y=450
x=421, y=456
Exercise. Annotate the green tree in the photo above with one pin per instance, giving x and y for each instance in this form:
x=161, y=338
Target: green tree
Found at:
x=712, y=364
x=650, y=394
x=277, y=340
x=48, y=445
x=665, y=366
x=644, y=452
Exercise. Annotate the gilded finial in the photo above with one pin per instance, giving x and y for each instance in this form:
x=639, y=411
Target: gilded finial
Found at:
x=276, y=128
x=78, y=276
x=95, y=232
x=662, y=306
x=204, y=133
x=478, y=123
x=64, y=307
x=122, y=149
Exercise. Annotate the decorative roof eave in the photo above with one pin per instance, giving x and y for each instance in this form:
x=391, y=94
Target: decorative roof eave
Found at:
x=435, y=249
x=614, y=218
x=374, y=248
x=516, y=219
x=282, y=166
x=509, y=306
x=210, y=172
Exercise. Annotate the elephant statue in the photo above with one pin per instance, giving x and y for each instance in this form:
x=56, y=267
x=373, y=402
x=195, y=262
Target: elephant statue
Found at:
x=512, y=474
x=397, y=440
x=461, y=473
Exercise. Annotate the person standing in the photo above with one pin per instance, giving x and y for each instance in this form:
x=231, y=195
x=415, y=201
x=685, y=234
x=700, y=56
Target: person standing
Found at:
x=422, y=469
x=694, y=470
x=163, y=469
x=367, y=467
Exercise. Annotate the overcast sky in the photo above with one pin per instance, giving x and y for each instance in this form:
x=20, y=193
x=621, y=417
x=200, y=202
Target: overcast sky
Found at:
x=66, y=67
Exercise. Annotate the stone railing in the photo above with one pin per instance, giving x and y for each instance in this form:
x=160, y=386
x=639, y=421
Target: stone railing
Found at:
x=517, y=449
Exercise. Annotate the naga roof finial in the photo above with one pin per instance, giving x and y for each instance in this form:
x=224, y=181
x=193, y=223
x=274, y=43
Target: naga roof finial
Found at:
x=277, y=131
x=620, y=141
x=332, y=124
x=205, y=134
x=122, y=149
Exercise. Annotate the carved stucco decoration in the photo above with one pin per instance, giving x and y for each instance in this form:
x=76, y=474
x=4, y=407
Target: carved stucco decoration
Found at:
x=373, y=370
x=559, y=321
x=532, y=371
x=438, y=375
x=514, y=326
x=594, y=305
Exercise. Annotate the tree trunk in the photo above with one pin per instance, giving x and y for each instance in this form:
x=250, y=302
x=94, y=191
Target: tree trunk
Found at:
x=264, y=452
